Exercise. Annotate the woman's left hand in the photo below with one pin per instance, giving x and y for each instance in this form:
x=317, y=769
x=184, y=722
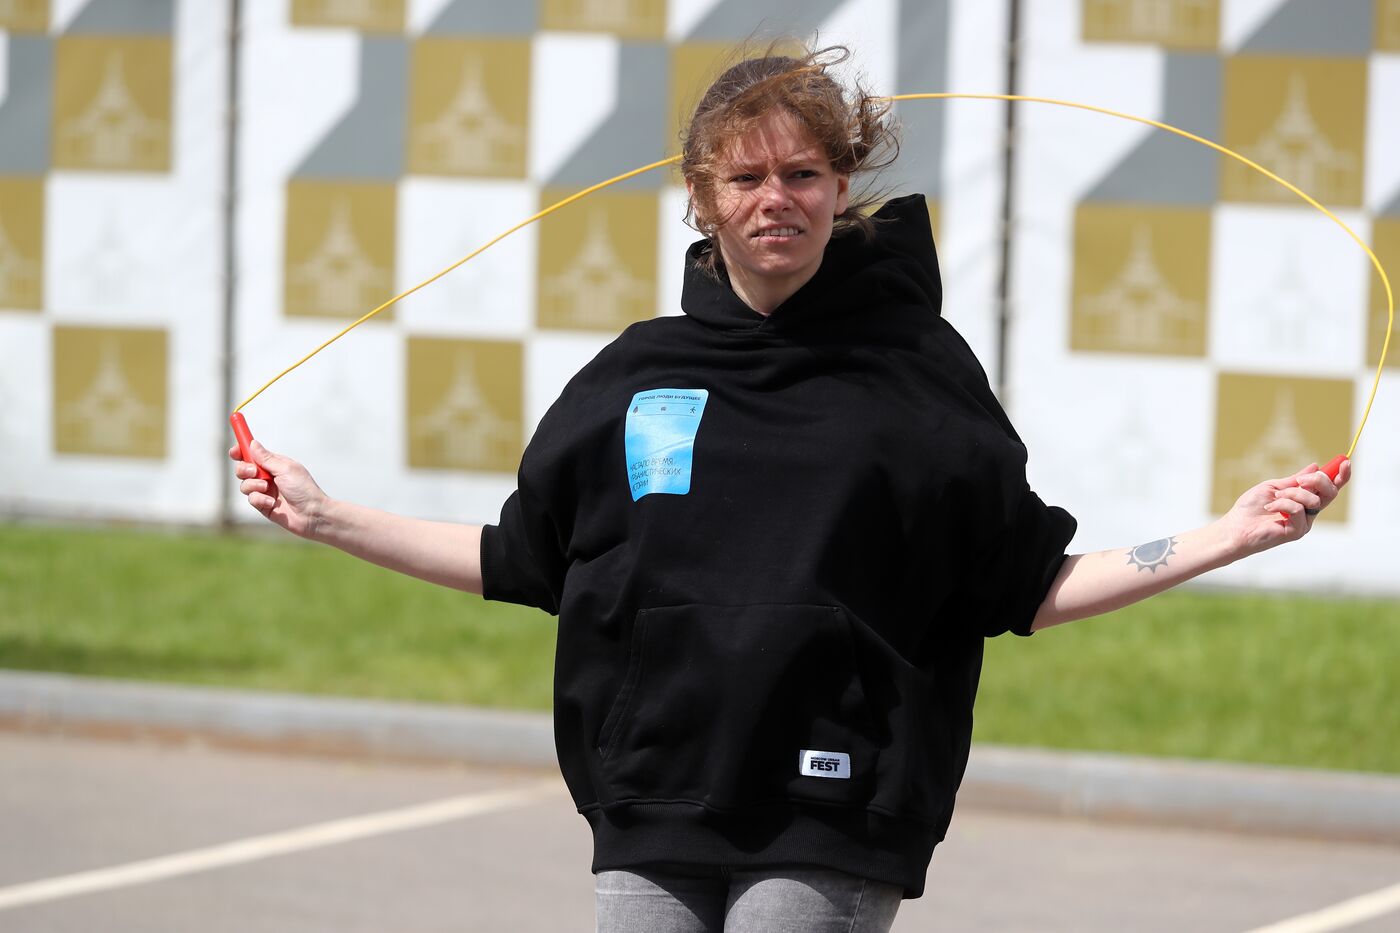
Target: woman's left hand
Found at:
x=1280, y=510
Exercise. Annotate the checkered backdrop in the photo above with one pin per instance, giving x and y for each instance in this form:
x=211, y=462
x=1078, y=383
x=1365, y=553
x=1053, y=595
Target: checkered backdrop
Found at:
x=1184, y=327
x=112, y=137
x=1178, y=328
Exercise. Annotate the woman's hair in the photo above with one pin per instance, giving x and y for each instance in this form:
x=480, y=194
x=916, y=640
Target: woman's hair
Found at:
x=853, y=129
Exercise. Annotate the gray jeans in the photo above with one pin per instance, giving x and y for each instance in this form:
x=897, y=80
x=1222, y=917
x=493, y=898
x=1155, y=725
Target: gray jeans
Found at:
x=798, y=900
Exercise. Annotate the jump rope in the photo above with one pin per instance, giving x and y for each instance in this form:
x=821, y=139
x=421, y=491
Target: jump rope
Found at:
x=245, y=437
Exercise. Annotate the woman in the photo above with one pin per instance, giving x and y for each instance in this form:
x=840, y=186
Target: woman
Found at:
x=776, y=530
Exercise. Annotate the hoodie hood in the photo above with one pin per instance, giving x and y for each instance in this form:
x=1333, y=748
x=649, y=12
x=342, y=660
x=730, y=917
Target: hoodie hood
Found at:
x=897, y=268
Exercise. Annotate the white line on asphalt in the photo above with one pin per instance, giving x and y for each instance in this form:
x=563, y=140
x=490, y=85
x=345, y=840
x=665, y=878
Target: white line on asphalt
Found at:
x=283, y=843
x=1341, y=915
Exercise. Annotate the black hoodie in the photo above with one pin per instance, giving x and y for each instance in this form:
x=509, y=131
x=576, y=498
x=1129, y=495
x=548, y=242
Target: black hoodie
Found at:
x=775, y=546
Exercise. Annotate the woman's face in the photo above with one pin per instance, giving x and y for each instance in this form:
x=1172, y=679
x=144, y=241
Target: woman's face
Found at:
x=775, y=202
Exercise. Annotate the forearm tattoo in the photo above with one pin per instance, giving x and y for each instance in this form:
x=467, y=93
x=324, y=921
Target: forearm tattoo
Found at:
x=1152, y=555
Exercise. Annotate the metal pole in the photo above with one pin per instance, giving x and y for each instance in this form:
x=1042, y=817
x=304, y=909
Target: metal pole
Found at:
x=1008, y=200
x=230, y=212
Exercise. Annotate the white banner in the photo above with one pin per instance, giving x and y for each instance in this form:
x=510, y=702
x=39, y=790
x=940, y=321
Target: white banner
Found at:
x=1184, y=327
x=1179, y=329
x=112, y=142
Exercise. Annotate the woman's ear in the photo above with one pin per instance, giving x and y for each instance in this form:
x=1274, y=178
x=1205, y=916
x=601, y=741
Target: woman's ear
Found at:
x=843, y=193
x=701, y=223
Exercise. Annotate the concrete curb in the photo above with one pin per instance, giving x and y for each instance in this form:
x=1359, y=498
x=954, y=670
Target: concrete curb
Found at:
x=1231, y=797
x=1209, y=795
x=275, y=721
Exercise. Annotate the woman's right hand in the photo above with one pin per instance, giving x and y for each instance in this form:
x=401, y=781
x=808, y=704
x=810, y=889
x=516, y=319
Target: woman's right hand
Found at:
x=294, y=502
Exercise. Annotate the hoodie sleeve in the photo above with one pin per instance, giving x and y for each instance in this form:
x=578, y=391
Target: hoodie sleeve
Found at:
x=567, y=473
x=1022, y=549
x=1015, y=543
x=522, y=557
x=525, y=556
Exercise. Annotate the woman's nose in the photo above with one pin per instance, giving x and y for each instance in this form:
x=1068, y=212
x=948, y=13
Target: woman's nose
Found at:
x=774, y=194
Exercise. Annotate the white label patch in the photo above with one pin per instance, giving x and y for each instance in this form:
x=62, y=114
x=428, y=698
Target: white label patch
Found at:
x=825, y=764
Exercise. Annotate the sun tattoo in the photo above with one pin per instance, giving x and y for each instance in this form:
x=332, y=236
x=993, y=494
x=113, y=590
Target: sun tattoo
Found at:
x=1152, y=555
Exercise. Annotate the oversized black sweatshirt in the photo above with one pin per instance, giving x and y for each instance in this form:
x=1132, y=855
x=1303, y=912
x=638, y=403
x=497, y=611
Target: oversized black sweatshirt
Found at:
x=775, y=546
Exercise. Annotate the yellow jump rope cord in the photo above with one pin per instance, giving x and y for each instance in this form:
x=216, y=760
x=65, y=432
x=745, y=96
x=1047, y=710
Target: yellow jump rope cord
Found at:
x=1385, y=280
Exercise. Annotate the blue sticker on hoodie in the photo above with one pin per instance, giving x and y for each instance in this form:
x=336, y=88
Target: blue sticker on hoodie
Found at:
x=661, y=429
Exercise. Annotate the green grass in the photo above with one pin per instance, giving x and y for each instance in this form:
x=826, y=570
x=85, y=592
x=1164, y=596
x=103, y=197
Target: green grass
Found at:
x=1288, y=680
x=269, y=614
x=1280, y=679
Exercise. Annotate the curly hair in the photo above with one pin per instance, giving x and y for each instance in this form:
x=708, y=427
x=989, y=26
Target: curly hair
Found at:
x=853, y=129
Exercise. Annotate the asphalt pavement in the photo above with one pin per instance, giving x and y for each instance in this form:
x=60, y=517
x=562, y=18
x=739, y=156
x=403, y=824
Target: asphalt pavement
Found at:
x=153, y=836
x=1173, y=792
x=149, y=808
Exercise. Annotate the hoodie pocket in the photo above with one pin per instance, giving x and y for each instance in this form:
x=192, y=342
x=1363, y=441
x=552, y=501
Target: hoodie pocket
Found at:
x=736, y=706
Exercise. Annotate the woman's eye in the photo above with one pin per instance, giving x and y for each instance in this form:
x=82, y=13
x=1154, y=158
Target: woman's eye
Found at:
x=742, y=179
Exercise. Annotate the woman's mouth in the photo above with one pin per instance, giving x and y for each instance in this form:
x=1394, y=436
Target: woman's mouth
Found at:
x=777, y=233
